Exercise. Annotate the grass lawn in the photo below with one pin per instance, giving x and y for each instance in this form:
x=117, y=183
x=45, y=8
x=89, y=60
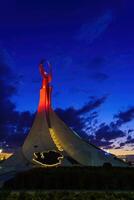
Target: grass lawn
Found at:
x=65, y=195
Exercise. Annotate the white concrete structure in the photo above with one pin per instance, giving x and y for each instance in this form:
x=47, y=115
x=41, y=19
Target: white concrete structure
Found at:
x=60, y=138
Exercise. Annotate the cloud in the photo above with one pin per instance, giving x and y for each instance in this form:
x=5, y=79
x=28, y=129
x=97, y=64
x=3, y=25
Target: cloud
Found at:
x=11, y=121
x=101, y=143
x=25, y=120
x=87, y=125
x=91, y=105
x=75, y=118
x=107, y=133
x=19, y=126
x=128, y=141
x=124, y=116
x=8, y=89
x=72, y=119
x=91, y=31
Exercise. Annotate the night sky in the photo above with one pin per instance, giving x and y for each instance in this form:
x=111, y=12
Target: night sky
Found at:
x=91, y=47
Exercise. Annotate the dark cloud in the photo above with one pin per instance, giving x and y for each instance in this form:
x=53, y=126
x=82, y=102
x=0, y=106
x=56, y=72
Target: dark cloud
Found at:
x=72, y=119
x=91, y=105
x=124, y=116
x=7, y=90
x=11, y=121
x=107, y=133
x=25, y=120
x=101, y=143
x=75, y=118
x=118, y=147
x=121, y=144
x=18, y=128
x=128, y=141
x=86, y=126
x=130, y=130
x=129, y=137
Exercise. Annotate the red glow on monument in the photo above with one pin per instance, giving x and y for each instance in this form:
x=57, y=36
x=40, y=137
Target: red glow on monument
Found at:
x=46, y=89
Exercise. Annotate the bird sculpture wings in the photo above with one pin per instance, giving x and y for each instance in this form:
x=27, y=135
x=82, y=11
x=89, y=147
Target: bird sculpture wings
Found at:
x=43, y=73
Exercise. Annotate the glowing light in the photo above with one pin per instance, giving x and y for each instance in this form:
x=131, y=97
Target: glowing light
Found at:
x=1, y=150
x=47, y=165
x=55, y=139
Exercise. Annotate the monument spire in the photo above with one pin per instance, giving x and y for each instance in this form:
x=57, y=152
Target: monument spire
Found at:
x=46, y=89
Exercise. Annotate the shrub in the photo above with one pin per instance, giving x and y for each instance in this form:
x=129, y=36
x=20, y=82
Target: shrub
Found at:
x=74, y=178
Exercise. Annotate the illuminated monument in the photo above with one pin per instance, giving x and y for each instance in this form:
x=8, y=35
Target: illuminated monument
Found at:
x=51, y=142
